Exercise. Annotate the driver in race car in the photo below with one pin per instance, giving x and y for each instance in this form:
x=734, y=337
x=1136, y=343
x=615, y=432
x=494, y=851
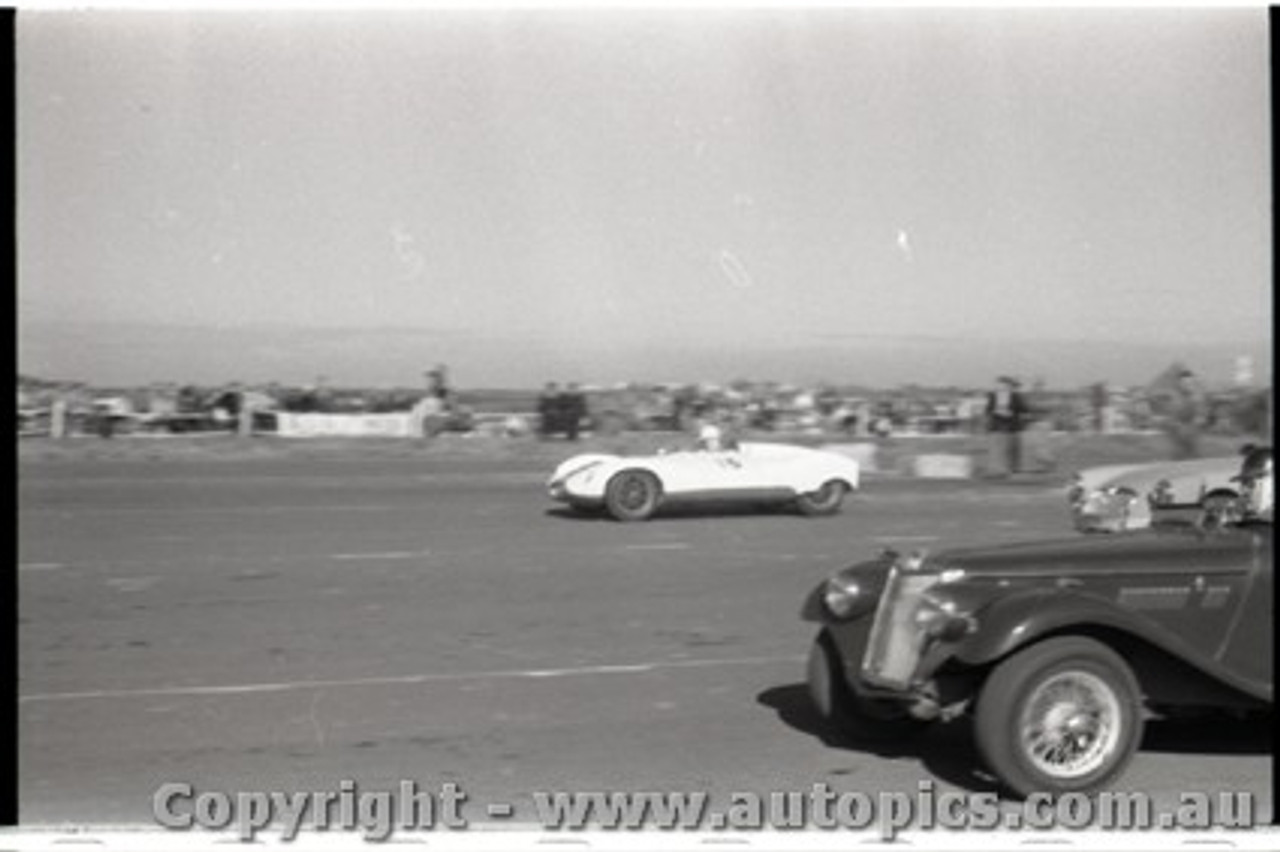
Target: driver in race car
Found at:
x=714, y=436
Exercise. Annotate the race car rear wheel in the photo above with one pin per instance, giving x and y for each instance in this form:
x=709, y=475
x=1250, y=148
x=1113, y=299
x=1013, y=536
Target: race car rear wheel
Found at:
x=825, y=501
x=632, y=495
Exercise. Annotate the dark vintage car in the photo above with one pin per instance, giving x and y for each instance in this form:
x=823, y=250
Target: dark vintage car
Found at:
x=1059, y=649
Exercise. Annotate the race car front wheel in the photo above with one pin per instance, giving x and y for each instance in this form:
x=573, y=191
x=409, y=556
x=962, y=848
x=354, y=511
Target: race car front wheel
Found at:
x=632, y=495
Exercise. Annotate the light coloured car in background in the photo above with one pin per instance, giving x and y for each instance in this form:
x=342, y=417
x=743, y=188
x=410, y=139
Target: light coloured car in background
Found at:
x=1116, y=498
x=632, y=488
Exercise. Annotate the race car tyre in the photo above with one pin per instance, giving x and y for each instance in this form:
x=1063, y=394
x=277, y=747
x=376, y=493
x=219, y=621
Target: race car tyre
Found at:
x=825, y=501
x=836, y=703
x=1061, y=716
x=632, y=495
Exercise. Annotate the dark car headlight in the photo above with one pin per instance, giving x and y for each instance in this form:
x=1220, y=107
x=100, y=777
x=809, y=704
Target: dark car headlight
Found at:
x=842, y=595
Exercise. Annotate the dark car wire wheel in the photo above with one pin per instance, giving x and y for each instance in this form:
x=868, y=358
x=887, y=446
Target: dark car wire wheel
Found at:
x=852, y=714
x=632, y=495
x=825, y=501
x=1061, y=716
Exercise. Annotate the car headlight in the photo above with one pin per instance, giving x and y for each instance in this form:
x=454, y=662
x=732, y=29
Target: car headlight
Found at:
x=841, y=596
x=846, y=596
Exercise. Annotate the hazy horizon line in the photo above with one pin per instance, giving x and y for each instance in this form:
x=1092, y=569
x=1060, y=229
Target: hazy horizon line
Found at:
x=482, y=331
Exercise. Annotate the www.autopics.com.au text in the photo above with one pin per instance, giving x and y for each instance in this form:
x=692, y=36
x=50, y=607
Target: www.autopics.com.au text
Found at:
x=377, y=814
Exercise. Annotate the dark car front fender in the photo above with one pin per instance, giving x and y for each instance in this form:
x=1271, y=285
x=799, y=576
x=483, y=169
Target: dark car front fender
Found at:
x=1019, y=620
x=812, y=608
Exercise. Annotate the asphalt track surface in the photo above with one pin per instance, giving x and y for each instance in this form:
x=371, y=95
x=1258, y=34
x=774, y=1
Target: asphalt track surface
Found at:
x=287, y=624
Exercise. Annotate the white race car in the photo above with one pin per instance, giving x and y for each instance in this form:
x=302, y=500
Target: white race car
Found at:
x=632, y=488
x=1115, y=498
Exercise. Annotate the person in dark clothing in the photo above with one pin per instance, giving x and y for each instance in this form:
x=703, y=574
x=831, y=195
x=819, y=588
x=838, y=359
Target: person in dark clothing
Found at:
x=438, y=386
x=1099, y=399
x=573, y=407
x=549, y=410
x=229, y=403
x=1187, y=416
x=1006, y=418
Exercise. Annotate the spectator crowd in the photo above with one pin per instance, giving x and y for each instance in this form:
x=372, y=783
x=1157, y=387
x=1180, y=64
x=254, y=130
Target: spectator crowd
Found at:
x=1176, y=402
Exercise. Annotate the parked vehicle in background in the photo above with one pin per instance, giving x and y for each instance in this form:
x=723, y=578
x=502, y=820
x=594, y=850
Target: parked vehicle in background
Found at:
x=1116, y=498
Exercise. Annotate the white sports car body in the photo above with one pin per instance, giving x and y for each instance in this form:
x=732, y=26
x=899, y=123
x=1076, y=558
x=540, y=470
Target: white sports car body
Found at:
x=1116, y=498
x=633, y=487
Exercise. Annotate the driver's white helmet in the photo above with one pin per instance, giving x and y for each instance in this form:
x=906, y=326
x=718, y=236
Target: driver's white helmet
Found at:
x=710, y=437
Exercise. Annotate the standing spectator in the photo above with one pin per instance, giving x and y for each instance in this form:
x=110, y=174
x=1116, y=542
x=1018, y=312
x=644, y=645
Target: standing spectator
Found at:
x=432, y=412
x=322, y=395
x=58, y=416
x=112, y=412
x=1036, y=443
x=1006, y=416
x=438, y=385
x=428, y=416
x=549, y=410
x=1186, y=417
x=1100, y=402
x=226, y=409
x=189, y=400
x=845, y=418
x=682, y=415
x=573, y=407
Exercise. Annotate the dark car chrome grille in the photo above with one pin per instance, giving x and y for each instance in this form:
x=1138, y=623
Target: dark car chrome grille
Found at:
x=896, y=642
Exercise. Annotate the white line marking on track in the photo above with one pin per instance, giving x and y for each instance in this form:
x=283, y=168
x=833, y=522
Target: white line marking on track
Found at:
x=40, y=566
x=401, y=680
x=211, y=510
x=904, y=538
x=388, y=554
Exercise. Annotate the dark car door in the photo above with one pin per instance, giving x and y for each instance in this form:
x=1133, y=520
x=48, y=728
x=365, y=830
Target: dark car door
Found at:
x=1247, y=649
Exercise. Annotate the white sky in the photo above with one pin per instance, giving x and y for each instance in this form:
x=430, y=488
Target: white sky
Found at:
x=529, y=192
